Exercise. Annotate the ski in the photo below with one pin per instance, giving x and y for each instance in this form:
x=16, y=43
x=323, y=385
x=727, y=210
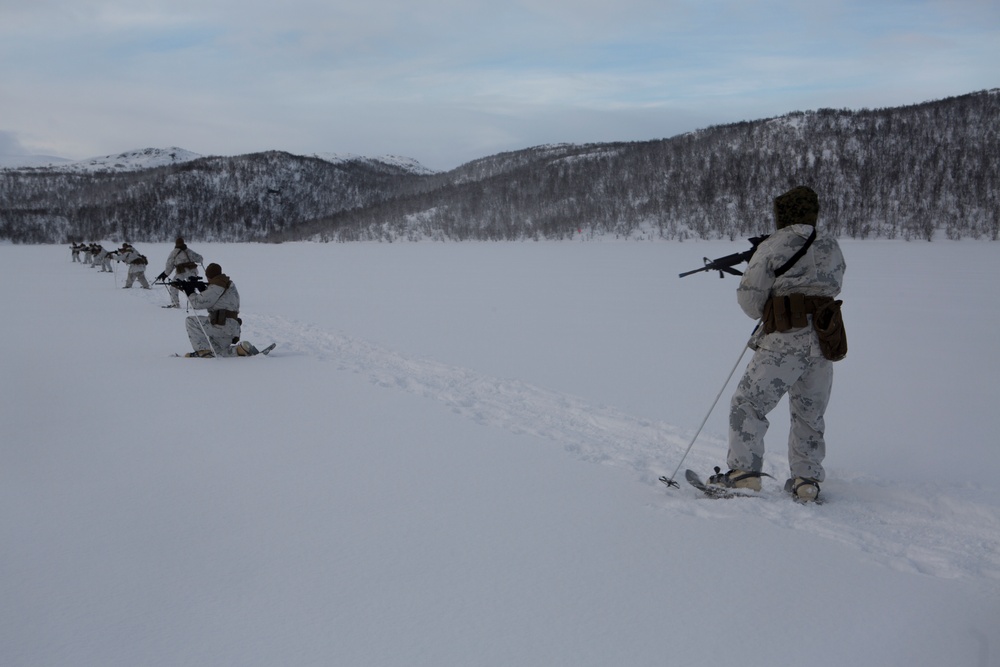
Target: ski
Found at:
x=717, y=492
x=265, y=351
x=714, y=492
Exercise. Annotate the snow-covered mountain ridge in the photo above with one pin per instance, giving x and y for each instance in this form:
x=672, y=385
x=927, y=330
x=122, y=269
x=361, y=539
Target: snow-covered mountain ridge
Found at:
x=31, y=161
x=141, y=159
x=406, y=163
x=915, y=172
x=134, y=160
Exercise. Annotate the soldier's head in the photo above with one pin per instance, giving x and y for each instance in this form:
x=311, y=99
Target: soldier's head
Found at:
x=212, y=270
x=179, y=243
x=798, y=206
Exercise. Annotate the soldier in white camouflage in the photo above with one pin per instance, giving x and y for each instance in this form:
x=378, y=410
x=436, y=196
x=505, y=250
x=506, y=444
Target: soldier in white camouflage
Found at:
x=183, y=262
x=136, y=265
x=217, y=333
x=102, y=258
x=787, y=289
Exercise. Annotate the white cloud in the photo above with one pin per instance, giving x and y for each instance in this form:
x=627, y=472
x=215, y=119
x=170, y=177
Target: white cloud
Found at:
x=443, y=79
x=10, y=144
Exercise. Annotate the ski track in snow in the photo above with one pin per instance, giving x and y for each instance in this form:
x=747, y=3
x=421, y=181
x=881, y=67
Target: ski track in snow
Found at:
x=932, y=530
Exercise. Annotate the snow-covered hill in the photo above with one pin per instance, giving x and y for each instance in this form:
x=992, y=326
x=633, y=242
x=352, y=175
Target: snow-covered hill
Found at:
x=909, y=172
x=151, y=158
x=451, y=458
x=398, y=161
x=30, y=161
x=134, y=160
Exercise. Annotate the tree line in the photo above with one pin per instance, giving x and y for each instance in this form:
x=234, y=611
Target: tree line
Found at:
x=906, y=172
x=890, y=173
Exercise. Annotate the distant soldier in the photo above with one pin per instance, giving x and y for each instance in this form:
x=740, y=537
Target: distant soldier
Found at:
x=75, y=250
x=88, y=253
x=103, y=258
x=184, y=262
x=136, y=265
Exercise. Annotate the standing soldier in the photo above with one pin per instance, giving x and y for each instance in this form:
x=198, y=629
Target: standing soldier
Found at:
x=136, y=265
x=185, y=262
x=102, y=257
x=789, y=284
x=75, y=249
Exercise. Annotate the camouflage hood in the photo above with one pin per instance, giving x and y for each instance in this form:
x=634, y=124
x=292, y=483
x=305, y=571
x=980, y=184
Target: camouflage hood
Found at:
x=798, y=206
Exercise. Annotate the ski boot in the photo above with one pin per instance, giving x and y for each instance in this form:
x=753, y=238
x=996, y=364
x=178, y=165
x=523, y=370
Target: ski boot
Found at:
x=803, y=489
x=737, y=479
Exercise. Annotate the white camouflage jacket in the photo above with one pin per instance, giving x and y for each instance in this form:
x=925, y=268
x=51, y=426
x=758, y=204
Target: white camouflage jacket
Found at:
x=216, y=297
x=820, y=272
x=182, y=256
x=129, y=256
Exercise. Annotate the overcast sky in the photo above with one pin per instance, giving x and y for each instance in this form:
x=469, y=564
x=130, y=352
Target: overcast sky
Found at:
x=448, y=81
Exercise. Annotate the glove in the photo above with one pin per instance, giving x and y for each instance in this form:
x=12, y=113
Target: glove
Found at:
x=162, y=277
x=188, y=288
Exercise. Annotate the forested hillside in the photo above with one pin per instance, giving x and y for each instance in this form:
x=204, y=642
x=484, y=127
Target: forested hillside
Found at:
x=890, y=173
x=244, y=198
x=904, y=172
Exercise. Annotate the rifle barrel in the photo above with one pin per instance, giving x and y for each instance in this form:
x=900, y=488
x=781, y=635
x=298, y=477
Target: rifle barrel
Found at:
x=704, y=268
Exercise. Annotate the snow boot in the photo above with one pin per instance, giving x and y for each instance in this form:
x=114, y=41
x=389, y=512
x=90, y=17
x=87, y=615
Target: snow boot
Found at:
x=803, y=489
x=737, y=479
x=246, y=349
x=204, y=354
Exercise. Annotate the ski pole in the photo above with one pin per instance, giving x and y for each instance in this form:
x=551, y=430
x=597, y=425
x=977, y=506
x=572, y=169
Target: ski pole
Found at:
x=201, y=326
x=205, y=333
x=669, y=481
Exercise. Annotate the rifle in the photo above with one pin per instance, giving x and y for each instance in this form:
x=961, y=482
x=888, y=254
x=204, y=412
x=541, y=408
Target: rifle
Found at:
x=188, y=285
x=725, y=264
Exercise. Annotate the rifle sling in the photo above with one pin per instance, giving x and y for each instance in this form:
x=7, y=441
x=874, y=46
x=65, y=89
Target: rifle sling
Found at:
x=783, y=269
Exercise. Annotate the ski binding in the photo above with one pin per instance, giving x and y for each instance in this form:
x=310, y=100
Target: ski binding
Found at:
x=715, y=492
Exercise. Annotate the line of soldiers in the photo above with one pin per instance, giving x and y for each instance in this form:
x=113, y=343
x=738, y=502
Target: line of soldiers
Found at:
x=218, y=333
x=97, y=255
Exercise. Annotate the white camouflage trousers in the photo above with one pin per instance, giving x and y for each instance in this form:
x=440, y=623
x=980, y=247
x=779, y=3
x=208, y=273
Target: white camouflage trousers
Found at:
x=219, y=339
x=769, y=376
x=139, y=275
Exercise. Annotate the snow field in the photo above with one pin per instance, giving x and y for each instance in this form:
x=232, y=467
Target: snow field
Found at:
x=408, y=479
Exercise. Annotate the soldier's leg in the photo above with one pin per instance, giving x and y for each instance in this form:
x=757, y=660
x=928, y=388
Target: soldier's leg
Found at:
x=768, y=377
x=224, y=338
x=807, y=400
x=175, y=299
x=196, y=332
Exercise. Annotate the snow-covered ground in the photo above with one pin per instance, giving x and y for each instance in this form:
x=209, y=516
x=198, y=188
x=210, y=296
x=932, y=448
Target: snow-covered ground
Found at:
x=451, y=458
